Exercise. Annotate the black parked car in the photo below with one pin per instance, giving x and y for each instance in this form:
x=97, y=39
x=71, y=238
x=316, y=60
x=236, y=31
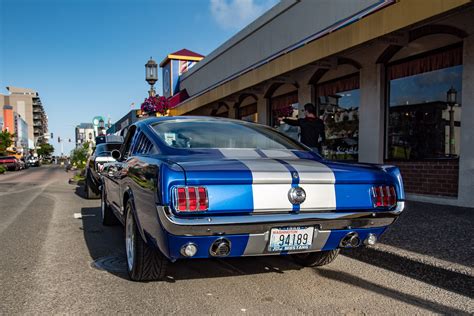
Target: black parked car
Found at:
x=95, y=164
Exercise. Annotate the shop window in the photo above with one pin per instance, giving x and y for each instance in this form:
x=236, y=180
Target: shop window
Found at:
x=338, y=102
x=419, y=117
x=285, y=106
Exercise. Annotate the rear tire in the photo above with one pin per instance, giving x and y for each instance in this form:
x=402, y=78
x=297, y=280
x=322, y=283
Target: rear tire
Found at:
x=108, y=216
x=90, y=194
x=316, y=259
x=143, y=263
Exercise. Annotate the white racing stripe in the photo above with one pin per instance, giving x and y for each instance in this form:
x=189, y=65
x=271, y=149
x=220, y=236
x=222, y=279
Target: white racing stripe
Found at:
x=270, y=185
x=281, y=154
x=311, y=171
x=272, y=180
x=238, y=153
x=318, y=181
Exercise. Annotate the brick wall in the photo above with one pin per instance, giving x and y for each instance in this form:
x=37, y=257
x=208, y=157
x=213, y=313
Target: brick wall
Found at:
x=433, y=177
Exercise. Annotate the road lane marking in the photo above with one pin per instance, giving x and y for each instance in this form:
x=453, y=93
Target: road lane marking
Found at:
x=80, y=215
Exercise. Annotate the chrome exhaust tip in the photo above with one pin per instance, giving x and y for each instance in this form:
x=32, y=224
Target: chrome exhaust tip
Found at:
x=189, y=250
x=220, y=248
x=370, y=240
x=351, y=240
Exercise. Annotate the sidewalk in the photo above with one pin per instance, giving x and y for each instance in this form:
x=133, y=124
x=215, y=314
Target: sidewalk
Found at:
x=431, y=243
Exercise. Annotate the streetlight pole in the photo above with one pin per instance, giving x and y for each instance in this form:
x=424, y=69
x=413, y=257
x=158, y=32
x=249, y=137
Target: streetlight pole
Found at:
x=151, y=72
x=451, y=96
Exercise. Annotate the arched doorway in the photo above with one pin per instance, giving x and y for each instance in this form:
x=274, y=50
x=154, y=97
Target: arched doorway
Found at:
x=283, y=99
x=338, y=100
x=422, y=131
x=246, y=108
x=283, y=102
x=222, y=110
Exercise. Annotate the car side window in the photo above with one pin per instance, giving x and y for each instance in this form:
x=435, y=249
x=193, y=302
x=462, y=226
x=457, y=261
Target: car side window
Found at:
x=143, y=146
x=128, y=143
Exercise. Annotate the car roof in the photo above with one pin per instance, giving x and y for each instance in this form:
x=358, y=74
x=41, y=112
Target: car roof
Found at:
x=152, y=120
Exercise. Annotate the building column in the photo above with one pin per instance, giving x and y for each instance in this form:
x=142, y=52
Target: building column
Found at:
x=232, y=110
x=371, y=114
x=305, y=95
x=466, y=156
x=262, y=110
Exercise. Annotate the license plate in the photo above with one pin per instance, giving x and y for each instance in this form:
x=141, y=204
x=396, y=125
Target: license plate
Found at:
x=290, y=238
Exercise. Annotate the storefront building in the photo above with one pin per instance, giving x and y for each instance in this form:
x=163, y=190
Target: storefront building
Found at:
x=378, y=72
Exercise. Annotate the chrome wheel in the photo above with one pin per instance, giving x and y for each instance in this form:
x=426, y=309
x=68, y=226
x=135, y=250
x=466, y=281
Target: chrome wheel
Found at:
x=130, y=240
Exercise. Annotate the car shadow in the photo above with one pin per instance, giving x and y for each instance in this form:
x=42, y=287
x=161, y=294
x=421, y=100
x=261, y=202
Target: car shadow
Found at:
x=356, y=281
x=439, y=231
x=107, y=249
x=437, y=276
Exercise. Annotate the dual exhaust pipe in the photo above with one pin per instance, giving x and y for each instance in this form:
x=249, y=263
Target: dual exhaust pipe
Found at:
x=219, y=248
x=352, y=240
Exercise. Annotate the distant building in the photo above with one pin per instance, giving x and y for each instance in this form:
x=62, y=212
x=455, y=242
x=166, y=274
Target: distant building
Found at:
x=85, y=132
x=21, y=134
x=27, y=104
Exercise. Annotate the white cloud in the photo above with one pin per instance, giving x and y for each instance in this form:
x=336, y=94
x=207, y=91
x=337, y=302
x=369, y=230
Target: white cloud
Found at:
x=235, y=14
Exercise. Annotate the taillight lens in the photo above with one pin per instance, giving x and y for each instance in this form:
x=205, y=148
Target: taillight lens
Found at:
x=191, y=199
x=384, y=196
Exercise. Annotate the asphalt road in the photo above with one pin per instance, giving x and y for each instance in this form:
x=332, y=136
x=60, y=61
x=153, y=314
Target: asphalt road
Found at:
x=47, y=267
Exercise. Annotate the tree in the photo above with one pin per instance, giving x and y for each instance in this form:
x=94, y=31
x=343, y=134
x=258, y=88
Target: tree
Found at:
x=45, y=150
x=79, y=155
x=6, y=140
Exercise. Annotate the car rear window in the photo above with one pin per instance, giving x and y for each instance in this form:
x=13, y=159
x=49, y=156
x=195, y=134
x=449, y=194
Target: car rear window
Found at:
x=221, y=134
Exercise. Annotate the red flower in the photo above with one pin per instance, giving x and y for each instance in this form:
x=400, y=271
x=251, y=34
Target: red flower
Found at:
x=156, y=104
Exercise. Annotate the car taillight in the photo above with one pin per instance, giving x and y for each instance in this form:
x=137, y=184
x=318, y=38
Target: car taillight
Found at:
x=191, y=199
x=384, y=196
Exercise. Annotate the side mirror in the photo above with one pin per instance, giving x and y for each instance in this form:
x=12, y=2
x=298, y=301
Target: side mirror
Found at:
x=116, y=154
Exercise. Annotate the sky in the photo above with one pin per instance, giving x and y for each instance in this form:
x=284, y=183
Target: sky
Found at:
x=86, y=57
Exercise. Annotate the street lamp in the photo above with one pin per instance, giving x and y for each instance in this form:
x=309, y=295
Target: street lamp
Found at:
x=151, y=71
x=451, y=97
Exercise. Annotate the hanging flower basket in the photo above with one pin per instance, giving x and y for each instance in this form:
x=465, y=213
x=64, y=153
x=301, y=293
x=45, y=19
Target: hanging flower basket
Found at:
x=155, y=105
x=286, y=111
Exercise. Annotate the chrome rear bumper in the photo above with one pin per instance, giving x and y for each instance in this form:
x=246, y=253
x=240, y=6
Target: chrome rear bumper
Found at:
x=259, y=224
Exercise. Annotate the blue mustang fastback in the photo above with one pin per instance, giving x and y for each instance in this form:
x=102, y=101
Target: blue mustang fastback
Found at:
x=202, y=187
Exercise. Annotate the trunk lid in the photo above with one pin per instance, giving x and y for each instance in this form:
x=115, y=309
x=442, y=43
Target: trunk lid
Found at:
x=248, y=183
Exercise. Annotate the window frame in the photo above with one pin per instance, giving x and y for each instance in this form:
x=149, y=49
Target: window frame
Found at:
x=387, y=92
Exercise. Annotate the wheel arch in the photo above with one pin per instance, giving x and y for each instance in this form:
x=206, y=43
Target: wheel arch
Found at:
x=128, y=196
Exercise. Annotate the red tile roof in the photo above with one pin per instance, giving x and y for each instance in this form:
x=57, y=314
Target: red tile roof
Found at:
x=183, y=54
x=186, y=52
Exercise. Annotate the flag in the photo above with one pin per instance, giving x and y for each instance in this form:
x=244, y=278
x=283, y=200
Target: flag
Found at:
x=184, y=66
